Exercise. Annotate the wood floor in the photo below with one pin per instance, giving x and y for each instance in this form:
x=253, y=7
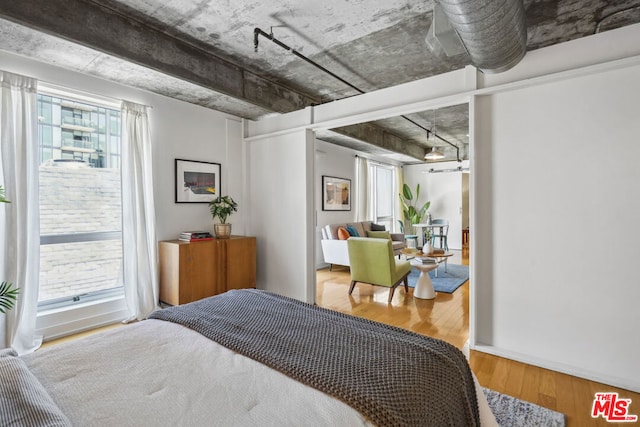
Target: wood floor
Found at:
x=447, y=317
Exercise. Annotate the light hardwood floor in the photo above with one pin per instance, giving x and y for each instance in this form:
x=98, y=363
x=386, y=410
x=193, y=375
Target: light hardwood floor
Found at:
x=447, y=317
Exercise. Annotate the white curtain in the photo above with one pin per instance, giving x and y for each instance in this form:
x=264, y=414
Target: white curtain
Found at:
x=140, y=263
x=398, y=212
x=363, y=209
x=19, y=220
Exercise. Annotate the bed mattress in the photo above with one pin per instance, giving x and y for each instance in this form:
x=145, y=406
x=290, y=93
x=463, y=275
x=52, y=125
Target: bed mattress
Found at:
x=157, y=373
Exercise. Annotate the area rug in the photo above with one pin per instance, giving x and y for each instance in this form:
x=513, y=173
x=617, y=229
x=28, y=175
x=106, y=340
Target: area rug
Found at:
x=513, y=412
x=447, y=282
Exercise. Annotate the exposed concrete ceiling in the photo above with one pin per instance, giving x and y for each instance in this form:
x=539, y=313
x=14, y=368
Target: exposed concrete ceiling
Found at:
x=202, y=52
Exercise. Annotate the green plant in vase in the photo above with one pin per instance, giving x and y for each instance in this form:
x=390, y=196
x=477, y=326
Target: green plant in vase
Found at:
x=220, y=208
x=427, y=236
x=412, y=213
x=8, y=294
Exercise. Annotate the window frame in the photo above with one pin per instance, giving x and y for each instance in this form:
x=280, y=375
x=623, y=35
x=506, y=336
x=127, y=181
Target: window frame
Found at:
x=374, y=166
x=71, y=314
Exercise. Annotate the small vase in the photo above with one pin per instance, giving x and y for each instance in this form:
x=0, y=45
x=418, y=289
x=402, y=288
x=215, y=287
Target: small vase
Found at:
x=222, y=231
x=427, y=249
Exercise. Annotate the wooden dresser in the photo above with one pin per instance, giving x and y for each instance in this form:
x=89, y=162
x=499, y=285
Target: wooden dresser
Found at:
x=191, y=271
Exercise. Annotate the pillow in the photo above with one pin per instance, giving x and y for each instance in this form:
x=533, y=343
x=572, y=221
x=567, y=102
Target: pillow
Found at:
x=379, y=234
x=377, y=227
x=23, y=399
x=352, y=231
x=343, y=234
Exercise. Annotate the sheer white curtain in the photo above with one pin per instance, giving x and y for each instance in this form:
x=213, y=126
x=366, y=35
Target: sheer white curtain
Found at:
x=363, y=205
x=19, y=220
x=140, y=263
x=397, y=206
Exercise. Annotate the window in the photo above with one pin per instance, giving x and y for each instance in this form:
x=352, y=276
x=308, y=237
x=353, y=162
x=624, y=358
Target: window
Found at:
x=383, y=189
x=80, y=201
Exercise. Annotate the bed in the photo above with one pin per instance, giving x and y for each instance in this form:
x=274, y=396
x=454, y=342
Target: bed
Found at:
x=243, y=358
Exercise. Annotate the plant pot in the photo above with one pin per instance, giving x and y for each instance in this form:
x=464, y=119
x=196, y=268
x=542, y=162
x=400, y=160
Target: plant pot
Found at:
x=222, y=231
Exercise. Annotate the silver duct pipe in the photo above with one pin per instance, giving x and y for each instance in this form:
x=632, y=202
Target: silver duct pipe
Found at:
x=494, y=32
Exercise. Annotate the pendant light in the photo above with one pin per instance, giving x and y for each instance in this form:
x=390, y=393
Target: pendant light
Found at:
x=434, y=154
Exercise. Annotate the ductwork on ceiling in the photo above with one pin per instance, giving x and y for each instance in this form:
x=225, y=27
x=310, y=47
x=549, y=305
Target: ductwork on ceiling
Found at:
x=493, y=32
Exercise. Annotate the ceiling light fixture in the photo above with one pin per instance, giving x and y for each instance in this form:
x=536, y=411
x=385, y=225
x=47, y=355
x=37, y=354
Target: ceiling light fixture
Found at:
x=434, y=154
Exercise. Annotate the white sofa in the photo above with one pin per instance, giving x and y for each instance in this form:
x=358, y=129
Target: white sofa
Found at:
x=335, y=250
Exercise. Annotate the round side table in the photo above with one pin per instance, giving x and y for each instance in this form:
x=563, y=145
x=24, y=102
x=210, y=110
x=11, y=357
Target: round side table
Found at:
x=424, y=286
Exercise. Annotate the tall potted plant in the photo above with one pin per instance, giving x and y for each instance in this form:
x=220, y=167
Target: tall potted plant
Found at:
x=412, y=214
x=221, y=207
x=8, y=294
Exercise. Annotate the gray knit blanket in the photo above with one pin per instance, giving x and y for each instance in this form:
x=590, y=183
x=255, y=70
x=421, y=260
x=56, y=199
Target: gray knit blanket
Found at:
x=392, y=376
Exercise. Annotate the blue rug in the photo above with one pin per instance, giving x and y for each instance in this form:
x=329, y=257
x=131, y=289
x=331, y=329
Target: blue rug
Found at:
x=447, y=282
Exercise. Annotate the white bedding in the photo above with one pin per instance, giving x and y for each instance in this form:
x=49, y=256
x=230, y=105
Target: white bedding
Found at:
x=156, y=373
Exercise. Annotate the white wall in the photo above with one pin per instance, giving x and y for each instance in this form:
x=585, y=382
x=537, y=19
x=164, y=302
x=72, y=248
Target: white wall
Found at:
x=444, y=191
x=185, y=131
x=557, y=245
x=281, y=201
x=178, y=130
x=547, y=286
x=336, y=161
x=465, y=200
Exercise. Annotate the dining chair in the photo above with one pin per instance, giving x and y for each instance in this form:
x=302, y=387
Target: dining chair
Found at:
x=440, y=233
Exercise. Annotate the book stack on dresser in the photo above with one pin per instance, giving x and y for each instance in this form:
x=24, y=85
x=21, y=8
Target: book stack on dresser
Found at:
x=194, y=236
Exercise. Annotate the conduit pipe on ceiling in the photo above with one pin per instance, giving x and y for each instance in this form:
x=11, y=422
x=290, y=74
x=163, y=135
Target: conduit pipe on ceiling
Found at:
x=430, y=132
x=257, y=32
x=494, y=32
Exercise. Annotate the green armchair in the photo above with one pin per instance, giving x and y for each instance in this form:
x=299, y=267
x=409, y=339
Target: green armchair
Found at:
x=372, y=261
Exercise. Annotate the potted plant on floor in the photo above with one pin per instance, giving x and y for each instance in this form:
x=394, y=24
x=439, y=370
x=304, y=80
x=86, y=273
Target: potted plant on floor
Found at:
x=8, y=294
x=412, y=214
x=221, y=207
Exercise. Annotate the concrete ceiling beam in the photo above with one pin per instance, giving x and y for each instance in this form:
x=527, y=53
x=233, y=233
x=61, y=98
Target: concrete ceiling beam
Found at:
x=114, y=33
x=380, y=137
x=110, y=32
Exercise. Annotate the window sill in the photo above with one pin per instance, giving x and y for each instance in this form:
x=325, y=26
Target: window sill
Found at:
x=71, y=319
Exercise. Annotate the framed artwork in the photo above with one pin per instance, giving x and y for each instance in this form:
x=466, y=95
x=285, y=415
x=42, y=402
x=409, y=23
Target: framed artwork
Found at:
x=197, y=182
x=336, y=194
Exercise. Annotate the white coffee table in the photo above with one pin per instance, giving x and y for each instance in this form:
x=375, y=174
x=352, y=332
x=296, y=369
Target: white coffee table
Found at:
x=424, y=286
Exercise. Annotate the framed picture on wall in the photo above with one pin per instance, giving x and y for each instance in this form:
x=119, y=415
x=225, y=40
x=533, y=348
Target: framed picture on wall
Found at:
x=336, y=194
x=197, y=182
